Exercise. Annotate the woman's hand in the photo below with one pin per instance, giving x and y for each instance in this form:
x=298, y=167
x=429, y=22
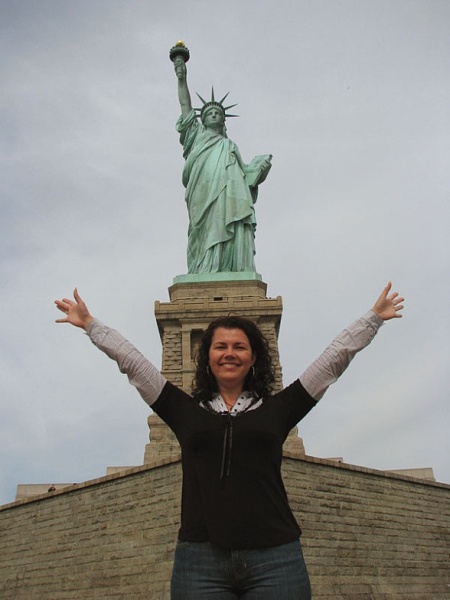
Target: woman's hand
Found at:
x=388, y=306
x=76, y=312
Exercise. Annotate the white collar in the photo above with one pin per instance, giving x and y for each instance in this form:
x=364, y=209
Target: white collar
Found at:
x=244, y=402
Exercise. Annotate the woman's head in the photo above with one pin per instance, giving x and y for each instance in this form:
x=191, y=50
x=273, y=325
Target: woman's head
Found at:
x=233, y=347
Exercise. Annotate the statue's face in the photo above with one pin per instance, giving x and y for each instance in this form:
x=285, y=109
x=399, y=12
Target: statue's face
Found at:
x=213, y=118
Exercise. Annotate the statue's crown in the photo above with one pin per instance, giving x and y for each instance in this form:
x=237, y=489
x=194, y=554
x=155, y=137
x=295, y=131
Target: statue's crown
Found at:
x=217, y=104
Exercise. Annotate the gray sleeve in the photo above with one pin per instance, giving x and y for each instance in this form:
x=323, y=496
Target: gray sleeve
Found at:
x=141, y=373
x=330, y=365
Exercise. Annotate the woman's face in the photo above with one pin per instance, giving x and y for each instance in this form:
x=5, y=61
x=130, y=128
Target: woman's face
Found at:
x=230, y=357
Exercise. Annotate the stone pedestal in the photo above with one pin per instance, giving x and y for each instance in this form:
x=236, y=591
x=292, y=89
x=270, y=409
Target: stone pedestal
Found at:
x=163, y=446
x=181, y=323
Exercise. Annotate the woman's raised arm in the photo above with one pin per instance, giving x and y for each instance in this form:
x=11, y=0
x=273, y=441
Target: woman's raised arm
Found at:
x=141, y=373
x=330, y=365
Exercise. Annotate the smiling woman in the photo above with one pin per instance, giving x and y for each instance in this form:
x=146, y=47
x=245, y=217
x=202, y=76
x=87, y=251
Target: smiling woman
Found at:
x=238, y=536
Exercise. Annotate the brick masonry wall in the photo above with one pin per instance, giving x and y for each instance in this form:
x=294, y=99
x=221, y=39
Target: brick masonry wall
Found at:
x=366, y=535
x=109, y=539
x=172, y=358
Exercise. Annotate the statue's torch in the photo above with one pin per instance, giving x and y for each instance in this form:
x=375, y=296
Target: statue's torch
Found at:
x=179, y=50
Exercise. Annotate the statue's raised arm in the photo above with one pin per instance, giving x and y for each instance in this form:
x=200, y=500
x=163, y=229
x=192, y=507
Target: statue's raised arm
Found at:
x=184, y=96
x=220, y=188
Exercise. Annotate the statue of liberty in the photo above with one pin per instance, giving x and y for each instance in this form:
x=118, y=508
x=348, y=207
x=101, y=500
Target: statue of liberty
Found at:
x=220, y=188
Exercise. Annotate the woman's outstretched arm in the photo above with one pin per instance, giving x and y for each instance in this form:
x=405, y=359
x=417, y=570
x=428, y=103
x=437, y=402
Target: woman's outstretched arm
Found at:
x=141, y=373
x=330, y=365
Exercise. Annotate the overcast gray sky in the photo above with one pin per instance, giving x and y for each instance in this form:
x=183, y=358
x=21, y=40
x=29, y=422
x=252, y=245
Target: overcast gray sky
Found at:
x=352, y=99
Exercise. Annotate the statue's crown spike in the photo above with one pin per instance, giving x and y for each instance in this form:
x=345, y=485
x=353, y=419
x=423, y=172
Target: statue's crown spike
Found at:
x=204, y=101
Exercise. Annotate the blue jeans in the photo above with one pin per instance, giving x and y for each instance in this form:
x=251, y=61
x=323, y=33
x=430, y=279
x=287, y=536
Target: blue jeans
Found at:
x=203, y=570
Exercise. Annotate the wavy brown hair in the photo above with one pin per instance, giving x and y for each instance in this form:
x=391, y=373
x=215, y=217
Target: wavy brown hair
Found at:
x=259, y=380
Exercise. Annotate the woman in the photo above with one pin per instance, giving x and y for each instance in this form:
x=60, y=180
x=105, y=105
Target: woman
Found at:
x=238, y=537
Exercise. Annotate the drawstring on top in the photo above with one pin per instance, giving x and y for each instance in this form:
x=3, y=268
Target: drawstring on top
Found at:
x=227, y=448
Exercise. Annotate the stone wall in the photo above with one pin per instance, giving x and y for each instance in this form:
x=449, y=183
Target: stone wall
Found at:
x=370, y=534
x=367, y=535
x=111, y=538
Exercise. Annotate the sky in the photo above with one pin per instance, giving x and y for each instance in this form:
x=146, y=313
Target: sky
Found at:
x=352, y=99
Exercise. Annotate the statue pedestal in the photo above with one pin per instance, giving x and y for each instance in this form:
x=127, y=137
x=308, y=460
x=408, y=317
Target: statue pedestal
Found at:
x=182, y=321
x=163, y=446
